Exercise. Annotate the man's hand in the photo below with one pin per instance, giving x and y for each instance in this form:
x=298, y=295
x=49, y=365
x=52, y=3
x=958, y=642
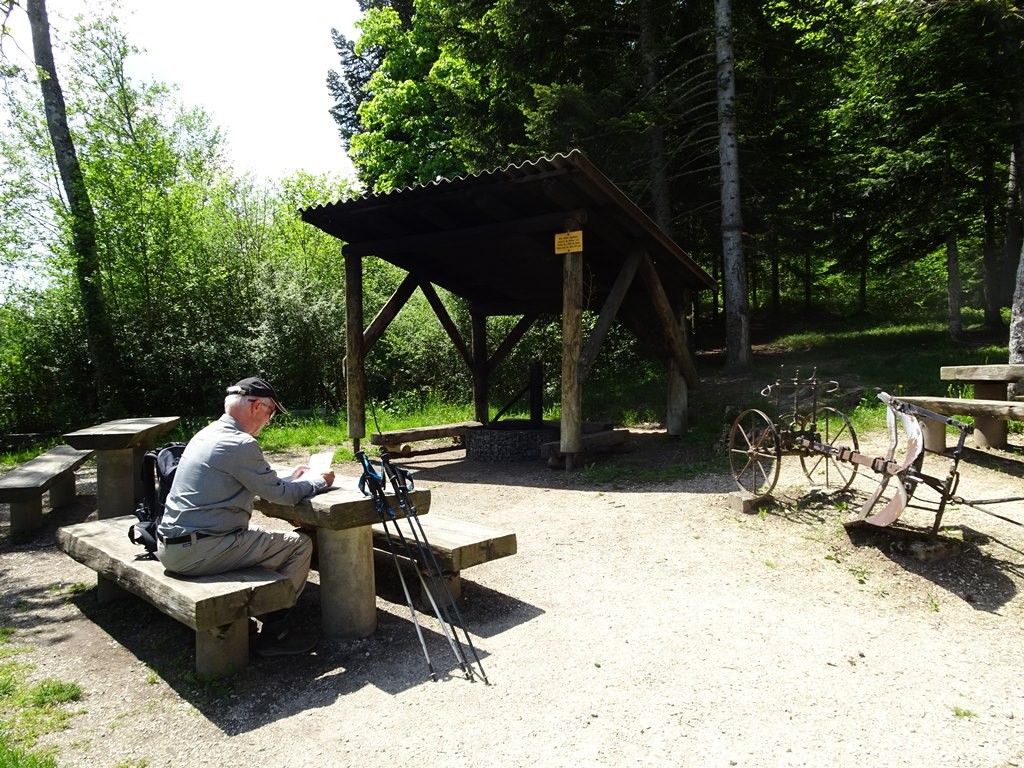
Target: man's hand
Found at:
x=329, y=477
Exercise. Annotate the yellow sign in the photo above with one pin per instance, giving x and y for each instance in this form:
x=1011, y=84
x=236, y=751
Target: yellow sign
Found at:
x=569, y=242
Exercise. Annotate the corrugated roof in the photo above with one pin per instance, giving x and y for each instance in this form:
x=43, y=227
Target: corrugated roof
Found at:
x=489, y=236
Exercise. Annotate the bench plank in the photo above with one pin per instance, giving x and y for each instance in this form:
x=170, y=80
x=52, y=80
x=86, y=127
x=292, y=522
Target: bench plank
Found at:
x=1004, y=373
x=216, y=607
x=31, y=479
x=457, y=544
x=413, y=434
x=1007, y=410
x=588, y=442
x=122, y=433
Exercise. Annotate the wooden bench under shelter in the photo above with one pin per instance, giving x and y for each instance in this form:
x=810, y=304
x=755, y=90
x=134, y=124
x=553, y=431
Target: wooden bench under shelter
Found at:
x=456, y=544
x=398, y=441
x=217, y=607
x=23, y=486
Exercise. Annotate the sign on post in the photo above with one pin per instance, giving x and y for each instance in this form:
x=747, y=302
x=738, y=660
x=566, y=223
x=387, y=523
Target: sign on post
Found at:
x=569, y=242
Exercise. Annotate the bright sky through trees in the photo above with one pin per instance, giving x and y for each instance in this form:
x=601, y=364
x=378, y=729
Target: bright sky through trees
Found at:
x=258, y=67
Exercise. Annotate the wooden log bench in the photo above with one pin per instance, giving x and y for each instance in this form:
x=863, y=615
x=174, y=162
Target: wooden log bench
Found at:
x=456, y=544
x=398, y=441
x=23, y=486
x=983, y=411
x=605, y=439
x=217, y=607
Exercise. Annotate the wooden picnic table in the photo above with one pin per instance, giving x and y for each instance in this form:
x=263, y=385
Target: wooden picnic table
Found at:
x=343, y=518
x=120, y=446
x=990, y=383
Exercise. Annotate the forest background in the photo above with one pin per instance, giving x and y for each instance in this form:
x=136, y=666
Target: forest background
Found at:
x=876, y=145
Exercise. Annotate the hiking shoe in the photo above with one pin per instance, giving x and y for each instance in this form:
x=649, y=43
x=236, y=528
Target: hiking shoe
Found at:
x=290, y=642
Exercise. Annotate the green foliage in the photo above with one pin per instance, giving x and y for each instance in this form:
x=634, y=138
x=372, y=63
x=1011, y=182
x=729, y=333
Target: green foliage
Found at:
x=206, y=278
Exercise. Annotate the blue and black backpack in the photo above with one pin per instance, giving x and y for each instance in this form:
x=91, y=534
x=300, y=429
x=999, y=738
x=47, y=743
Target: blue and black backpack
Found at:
x=158, y=468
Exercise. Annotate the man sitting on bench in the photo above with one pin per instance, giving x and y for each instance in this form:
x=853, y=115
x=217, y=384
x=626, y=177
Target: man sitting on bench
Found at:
x=205, y=527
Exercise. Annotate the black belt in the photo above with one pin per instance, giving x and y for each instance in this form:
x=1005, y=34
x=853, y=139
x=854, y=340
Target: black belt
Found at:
x=182, y=539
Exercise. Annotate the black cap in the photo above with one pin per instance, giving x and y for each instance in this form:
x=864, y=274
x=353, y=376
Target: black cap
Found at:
x=256, y=387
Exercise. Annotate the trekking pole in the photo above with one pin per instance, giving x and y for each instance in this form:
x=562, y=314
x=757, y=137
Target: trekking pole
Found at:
x=452, y=639
x=374, y=482
x=401, y=482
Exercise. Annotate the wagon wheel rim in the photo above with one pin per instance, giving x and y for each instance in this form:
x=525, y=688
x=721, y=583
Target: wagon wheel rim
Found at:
x=825, y=470
x=754, y=452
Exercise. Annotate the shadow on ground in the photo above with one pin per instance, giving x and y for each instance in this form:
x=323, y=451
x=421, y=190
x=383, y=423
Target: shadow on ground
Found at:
x=953, y=560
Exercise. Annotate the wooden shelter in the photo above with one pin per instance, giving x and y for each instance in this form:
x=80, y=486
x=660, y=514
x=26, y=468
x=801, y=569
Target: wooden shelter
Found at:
x=548, y=236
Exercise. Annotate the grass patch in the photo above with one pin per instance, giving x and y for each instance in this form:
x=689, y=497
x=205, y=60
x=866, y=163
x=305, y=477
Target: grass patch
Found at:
x=28, y=710
x=963, y=713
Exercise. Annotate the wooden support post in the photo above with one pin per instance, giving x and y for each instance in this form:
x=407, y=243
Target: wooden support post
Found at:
x=608, y=312
x=536, y=393
x=389, y=312
x=572, y=331
x=355, y=371
x=677, y=415
x=479, y=367
x=674, y=333
x=446, y=321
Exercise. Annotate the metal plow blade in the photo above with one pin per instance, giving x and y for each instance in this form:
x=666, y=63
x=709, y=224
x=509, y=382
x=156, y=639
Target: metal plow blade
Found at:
x=894, y=507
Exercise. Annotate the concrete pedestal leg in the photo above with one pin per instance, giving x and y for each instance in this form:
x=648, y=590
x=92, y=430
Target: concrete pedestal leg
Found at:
x=222, y=650
x=115, y=483
x=108, y=590
x=989, y=432
x=62, y=492
x=348, y=600
x=26, y=516
x=934, y=434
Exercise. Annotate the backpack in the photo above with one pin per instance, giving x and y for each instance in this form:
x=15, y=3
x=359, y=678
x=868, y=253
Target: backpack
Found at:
x=158, y=468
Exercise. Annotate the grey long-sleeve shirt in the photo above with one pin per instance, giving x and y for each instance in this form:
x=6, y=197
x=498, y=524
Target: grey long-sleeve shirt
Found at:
x=220, y=473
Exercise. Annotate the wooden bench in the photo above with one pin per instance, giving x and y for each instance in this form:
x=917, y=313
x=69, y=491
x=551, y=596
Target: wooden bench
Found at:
x=589, y=442
x=398, y=441
x=216, y=607
x=23, y=486
x=1000, y=411
x=456, y=544
x=990, y=382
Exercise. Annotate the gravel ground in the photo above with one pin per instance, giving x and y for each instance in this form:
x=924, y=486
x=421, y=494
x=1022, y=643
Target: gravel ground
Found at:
x=653, y=625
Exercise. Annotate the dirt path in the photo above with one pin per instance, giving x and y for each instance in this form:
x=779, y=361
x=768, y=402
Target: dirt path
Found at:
x=636, y=626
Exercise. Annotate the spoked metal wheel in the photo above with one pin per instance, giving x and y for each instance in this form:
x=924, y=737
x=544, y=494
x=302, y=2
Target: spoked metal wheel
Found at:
x=754, y=452
x=824, y=469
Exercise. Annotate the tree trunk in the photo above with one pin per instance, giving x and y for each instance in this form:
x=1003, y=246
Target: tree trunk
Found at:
x=660, y=196
x=1016, y=343
x=993, y=282
x=1014, y=240
x=99, y=337
x=737, y=317
x=956, y=326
